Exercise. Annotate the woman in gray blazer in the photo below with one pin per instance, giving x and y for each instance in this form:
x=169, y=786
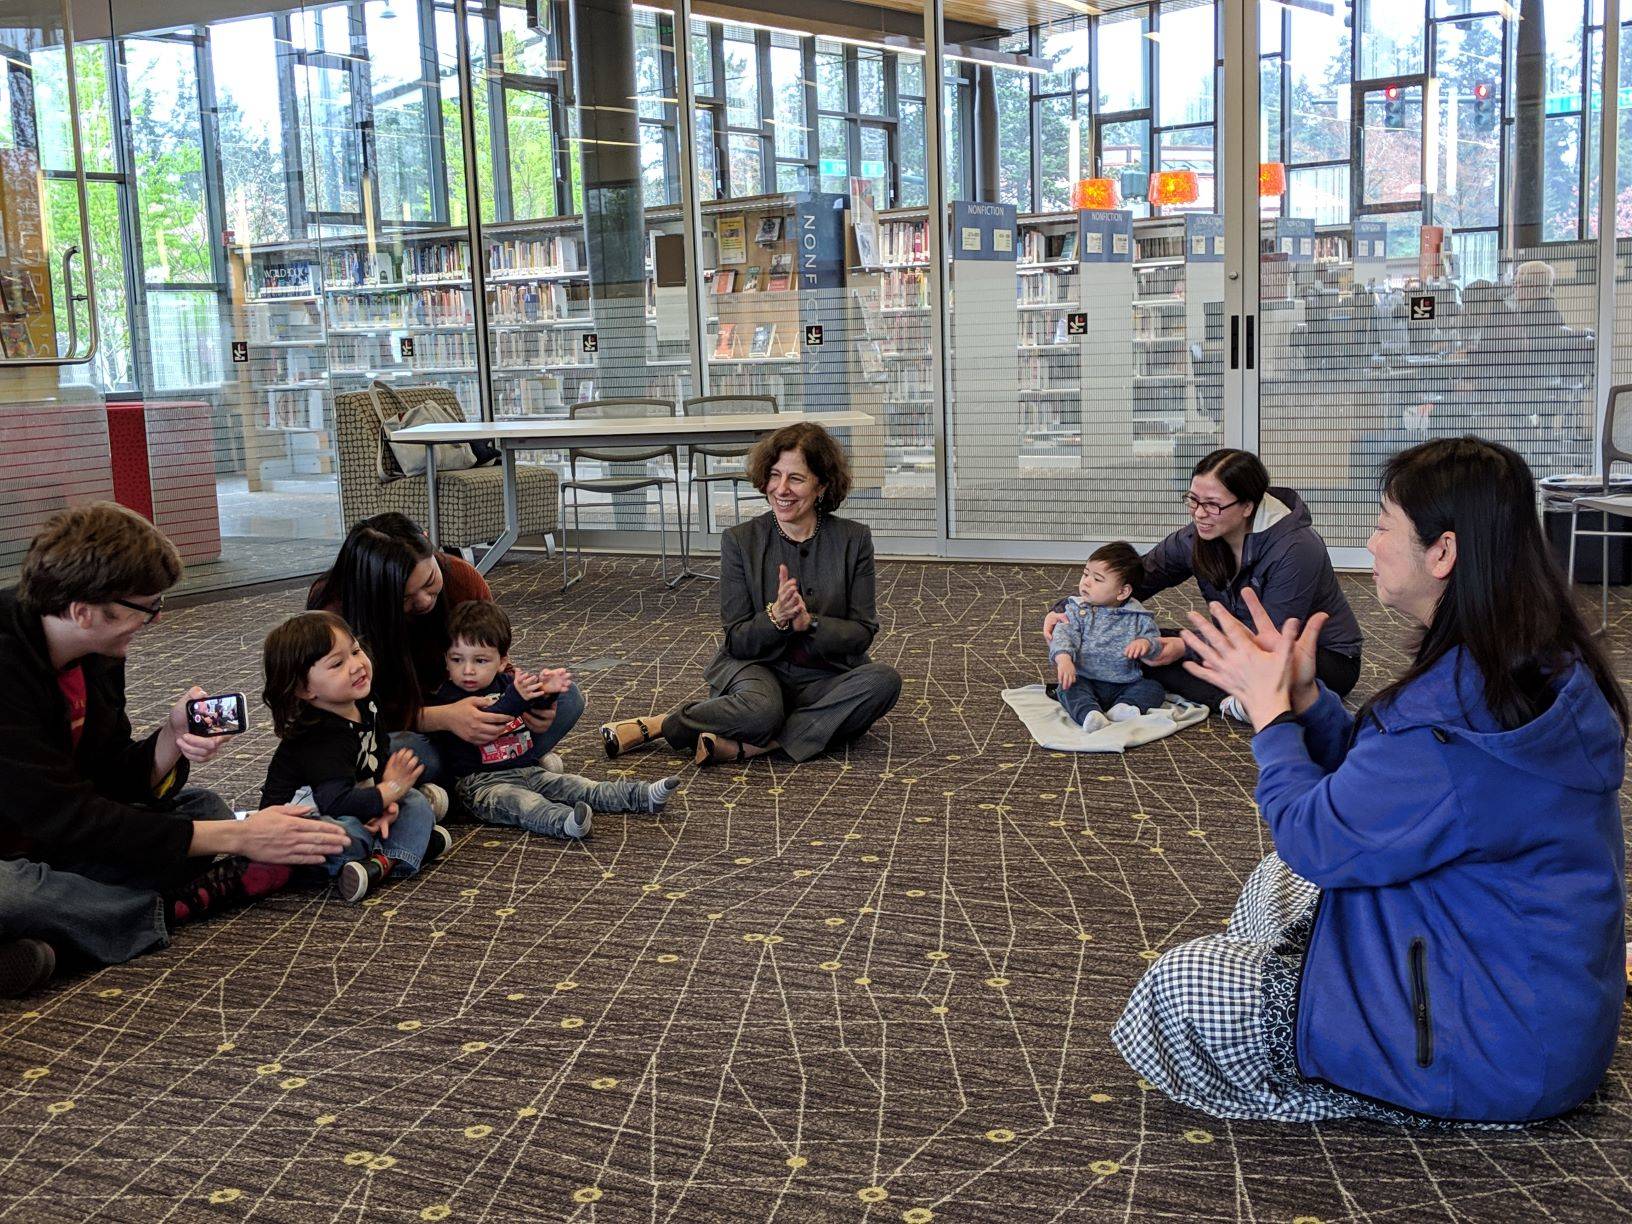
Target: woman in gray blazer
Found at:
x=797, y=602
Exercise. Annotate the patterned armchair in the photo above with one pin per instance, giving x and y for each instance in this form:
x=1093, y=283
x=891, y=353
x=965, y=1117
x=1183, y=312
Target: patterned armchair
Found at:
x=471, y=503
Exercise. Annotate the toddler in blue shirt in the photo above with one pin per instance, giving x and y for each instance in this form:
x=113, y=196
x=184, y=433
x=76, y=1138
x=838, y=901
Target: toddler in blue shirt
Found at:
x=1097, y=647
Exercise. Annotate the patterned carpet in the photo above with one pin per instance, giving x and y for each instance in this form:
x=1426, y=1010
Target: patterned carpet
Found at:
x=876, y=987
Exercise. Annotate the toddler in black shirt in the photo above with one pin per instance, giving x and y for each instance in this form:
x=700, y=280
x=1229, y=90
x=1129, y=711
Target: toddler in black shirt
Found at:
x=329, y=754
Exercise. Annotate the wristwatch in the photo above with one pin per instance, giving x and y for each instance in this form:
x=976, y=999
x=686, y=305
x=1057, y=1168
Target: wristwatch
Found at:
x=815, y=624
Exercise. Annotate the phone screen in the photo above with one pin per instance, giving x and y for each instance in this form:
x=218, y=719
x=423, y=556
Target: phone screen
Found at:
x=223, y=714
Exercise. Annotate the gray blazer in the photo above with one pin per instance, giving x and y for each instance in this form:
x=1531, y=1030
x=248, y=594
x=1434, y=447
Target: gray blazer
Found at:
x=835, y=573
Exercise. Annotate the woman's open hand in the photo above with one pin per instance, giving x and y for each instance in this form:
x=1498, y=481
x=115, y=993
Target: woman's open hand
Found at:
x=1268, y=670
x=1049, y=621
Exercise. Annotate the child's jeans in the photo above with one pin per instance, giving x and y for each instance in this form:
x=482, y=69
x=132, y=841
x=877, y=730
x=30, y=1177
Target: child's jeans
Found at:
x=534, y=799
x=410, y=833
x=1086, y=696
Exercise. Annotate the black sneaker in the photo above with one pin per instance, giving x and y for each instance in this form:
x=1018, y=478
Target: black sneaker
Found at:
x=441, y=842
x=356, y=878
x=228, y=882
x=25, y=966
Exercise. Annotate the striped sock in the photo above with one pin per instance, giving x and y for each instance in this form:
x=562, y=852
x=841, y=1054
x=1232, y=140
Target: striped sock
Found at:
x=657, y=794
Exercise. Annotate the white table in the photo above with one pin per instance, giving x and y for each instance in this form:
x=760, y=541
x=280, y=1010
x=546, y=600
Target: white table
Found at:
x=555, y=433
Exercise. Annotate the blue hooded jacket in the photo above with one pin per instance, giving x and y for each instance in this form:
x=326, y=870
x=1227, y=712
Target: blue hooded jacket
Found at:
x=1467, y=954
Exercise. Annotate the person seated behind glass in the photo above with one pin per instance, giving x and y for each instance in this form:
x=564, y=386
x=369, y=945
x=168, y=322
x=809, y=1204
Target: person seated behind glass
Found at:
x=1096, y=648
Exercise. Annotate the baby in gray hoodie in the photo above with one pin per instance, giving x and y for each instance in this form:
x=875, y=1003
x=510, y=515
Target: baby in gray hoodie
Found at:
x=1097, y=647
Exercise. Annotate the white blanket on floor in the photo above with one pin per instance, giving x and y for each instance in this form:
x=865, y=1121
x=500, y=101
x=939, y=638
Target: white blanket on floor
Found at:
x=1052, y=727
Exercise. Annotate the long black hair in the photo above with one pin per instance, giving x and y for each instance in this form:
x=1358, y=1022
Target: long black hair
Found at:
x=1244, y=475
x=1506, y=602
x=366, y=585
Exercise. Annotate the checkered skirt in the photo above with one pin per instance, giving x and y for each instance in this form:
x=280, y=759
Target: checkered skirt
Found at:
x=1212, y=1023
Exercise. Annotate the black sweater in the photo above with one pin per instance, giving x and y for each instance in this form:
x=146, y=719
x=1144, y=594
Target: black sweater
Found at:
x=515, y=749
x=61, y=804
x=339, y=759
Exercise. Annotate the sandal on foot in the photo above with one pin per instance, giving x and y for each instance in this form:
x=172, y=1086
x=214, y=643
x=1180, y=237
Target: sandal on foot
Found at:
x=717, y=750
x=612, y=738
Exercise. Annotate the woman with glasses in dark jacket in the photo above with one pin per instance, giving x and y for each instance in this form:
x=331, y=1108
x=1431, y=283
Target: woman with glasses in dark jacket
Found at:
x=1243, y=535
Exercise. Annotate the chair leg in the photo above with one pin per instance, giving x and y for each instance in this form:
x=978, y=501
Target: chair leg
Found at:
x=577, y=549
x=1603, y=574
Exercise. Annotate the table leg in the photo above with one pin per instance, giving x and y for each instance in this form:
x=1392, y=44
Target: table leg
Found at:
x=434, y=527
x=512, y=513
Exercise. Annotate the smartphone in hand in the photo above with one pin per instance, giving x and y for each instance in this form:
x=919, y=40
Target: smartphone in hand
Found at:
x=223, y=714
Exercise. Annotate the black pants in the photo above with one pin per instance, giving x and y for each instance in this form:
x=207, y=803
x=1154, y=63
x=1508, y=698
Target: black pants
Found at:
x=1338, y=672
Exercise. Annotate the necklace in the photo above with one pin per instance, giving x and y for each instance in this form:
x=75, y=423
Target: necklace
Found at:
x=808, y=540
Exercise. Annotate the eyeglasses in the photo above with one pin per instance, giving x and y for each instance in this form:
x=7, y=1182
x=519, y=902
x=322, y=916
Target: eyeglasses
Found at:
x=1206, y=508
x=150, y=611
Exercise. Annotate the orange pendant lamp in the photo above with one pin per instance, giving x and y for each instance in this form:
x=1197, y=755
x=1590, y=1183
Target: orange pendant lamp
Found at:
x=1272, y=178
x=1169, y=187
x=1093, y=193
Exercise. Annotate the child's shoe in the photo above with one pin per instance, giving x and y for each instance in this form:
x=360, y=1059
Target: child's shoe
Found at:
x=228, y=882
x=1094, y=720
x=441, y=842
x=551, y=762
x=578, y=823
x=657, y=794
x=1122, y=711
x=356, y=878
x=25, y=966
x=437, y=798
x=1231, y=708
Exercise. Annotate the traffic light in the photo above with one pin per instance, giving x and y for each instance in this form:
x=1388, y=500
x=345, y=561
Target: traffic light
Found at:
x=1393, y=108
x=1485, y=113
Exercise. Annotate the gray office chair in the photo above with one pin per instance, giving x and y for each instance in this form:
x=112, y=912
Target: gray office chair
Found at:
x=622, y=482
x=1615, y=447
x=703, y=473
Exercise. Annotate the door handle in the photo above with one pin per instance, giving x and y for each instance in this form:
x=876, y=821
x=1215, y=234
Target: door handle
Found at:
x=1235, y=342
x=1250, y=345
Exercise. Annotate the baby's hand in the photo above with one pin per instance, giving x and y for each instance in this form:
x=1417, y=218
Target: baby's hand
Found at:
x=556, y=680
x=1065, y=670
x=1137, y=649
x=528, y=685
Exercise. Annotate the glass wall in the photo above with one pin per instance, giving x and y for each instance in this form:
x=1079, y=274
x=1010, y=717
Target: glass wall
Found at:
x=286, y=210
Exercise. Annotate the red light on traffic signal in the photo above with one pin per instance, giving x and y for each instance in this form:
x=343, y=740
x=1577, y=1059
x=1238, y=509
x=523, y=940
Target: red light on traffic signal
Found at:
x=1392, y=93
x=1481, y=91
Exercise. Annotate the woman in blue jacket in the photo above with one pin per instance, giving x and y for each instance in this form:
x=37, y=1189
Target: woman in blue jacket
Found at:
x=1438, y=935
x=1245, y=535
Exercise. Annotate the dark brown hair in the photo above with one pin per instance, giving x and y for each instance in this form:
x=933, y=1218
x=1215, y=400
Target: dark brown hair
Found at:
x=291, y=651
x=480, y=622
x=367, y=584
x=1121, y=558
x=1506, y=602
x=822, y=453
x=95, y=554
x=1244, y=475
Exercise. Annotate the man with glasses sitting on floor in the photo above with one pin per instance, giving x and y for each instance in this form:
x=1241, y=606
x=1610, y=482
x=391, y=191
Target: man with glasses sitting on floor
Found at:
x=103, y=848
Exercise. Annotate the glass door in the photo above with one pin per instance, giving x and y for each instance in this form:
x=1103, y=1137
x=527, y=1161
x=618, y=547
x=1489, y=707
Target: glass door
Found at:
x=1425, y=264
x=1087, y=323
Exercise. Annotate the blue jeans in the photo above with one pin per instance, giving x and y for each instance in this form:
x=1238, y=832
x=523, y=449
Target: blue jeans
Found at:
x=105, y=923
x=568, y=708
x=536, y=800
x=410, y=833
x=1086, y=696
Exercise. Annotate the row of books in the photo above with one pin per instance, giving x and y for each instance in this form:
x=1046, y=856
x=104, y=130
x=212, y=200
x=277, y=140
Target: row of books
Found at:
x=440, y=259
x=1040, y=290
x=1042, y=246
x=904, y=288
x=359, y=267
x=533, y=302
x=440, y=349
x=546, y=255
x=904, y=241
x=440, y=308
x=361, y=309
x=753, y=279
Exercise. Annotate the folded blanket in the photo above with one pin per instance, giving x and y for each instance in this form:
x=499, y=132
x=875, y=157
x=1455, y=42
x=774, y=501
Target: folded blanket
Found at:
x=1052, y=727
